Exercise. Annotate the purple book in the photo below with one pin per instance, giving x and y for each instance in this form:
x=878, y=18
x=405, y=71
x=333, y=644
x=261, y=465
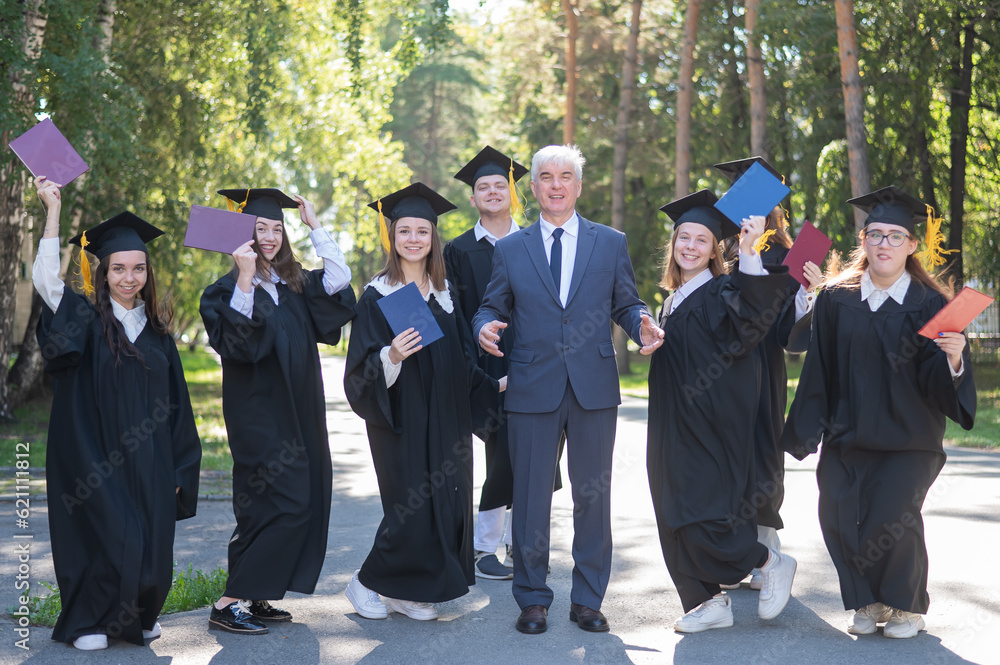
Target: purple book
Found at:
x=218, y=230
x=46, y=152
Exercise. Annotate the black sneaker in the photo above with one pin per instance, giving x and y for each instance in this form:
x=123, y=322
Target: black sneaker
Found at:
x=235, y=618
x=264, y=611
x=488, y=567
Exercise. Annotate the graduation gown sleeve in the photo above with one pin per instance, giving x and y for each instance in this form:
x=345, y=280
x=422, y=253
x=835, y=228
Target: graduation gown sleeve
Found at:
x=364, y=378
x=234, y=336
x=184, y=434
x=954, y=397
x=329, y=313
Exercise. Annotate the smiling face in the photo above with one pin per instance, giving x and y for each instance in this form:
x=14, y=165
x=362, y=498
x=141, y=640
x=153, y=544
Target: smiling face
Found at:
x=885, y=262
x=491, y=195
x=556, y=189
x=126, y=276
x=269, y=234
x=694, y=247
x=412, y=237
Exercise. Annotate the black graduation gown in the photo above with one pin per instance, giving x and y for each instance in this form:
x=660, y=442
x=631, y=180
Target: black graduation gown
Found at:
x=272, y=399
x=420, y=432
x=703, y=394
x=122, y=438
x=876, y=394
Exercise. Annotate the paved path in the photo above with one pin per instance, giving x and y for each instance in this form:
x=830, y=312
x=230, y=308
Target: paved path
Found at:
x=963, y=532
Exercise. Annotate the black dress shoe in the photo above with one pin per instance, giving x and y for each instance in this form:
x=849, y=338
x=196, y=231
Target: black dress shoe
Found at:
x=532, y=620
x=590, y=620
x=235, y=618
x=264, y=611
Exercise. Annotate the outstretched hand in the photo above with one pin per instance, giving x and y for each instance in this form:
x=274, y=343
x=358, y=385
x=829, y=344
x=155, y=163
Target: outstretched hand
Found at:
x=489, y=337
x=650, y=334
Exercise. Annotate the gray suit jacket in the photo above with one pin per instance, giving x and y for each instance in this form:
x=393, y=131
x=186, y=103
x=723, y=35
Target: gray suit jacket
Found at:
x=552, y=343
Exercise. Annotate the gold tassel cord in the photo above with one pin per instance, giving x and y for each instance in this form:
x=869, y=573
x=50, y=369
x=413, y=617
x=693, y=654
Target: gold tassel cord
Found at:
x=235, y=206
x=383, y=230
x=932, y=254
x=516, y=206
x=85, y=272
x=761, y=244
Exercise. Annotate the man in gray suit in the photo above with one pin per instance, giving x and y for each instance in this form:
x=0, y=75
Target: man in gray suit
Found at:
x=559, y=284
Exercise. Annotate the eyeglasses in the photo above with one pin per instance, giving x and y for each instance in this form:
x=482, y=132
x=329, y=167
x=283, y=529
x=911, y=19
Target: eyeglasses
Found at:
x=896, y=238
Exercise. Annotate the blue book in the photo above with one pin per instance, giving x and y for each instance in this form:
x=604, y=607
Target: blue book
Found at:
x=755, y=193
x=406, y=308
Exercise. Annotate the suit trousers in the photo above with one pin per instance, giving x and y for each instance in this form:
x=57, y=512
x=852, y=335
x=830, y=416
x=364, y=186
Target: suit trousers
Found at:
x=534, y=450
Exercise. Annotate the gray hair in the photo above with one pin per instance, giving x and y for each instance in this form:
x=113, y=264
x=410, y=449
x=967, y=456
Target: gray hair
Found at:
x=564, y=154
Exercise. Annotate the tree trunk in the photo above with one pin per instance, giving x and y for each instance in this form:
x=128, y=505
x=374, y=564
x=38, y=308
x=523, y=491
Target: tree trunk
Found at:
x=854, y=105
x=25, y=376
x=572, y=33
x=621, y=159
x=13, y=180
x=755, y=74
x=961, y=95
x=685, y=86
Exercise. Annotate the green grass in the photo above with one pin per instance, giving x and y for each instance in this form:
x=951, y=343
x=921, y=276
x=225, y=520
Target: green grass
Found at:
x=190, y=590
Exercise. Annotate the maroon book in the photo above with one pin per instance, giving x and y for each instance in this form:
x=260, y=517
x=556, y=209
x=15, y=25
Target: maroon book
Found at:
x=218, y=230
x=46, y=152
x=810, y=245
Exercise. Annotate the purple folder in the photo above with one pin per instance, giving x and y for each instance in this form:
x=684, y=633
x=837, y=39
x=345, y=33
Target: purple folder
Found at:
x=810, y=245
x=46, y=152
x=218, y=230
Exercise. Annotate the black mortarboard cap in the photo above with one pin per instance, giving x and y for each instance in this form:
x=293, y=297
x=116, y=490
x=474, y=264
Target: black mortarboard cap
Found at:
x=699, y=208
x=734, y=169
x=264, y=202
x=123, y=232
x=891, y=205
x=489, y=161
x=416, y=200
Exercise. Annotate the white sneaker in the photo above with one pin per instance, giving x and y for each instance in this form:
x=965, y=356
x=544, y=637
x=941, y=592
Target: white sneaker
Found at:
x=365, y=601
x=865, y=621
x=412, y=609
x=776, y=585
x=904, y=624
x=756, y=579
x=713, y=613
x=91, y=642
x=153, y=632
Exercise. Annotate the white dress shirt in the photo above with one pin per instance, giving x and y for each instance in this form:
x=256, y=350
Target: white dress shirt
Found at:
x=45, y=277
x=336, y=274
x=481, y=231
x=571, y=233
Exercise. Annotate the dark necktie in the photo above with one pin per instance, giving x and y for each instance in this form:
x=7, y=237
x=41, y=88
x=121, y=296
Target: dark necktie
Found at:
x=555, y=257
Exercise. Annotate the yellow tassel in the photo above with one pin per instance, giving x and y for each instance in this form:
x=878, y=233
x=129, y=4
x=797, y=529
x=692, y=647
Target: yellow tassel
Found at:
x=931, y=255
x=85, y=273
x=235, y=206
x=783, y=222
x=761, y=244
x=516, y=207
x=383, y=230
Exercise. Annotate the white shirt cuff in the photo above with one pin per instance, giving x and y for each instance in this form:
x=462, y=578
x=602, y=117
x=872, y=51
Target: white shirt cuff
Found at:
x=804, y=301
x=961, y=368
x=391, y=371
x=750, y=264
x=242, y=302
x=336, y=273
x=45, y=273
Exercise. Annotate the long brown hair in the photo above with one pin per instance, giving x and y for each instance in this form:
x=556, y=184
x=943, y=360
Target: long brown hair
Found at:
x=778, y=221
x=849, y=277
x=158, y=314
x=284, y=262
x=433, y=265
x=671, y=278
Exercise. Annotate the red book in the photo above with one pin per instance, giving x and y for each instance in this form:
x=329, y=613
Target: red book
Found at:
x=46, y=152
x=218, y=230
x=956, y=315
x=810, y=245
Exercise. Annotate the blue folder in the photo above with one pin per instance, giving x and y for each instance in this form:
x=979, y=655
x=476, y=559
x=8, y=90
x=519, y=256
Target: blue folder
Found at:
x=406, y=308
x=755, y=193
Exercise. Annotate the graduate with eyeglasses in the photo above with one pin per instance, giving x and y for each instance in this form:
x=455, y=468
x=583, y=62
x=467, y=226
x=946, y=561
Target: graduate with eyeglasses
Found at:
x=875, y=393
x=123, y=452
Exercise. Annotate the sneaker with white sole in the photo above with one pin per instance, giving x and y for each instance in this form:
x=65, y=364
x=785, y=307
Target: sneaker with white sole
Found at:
x=488, y=567
x=713, y=613
x=776, y=584
x=91, y=642
x=365, y=601
x=865, y=621
x=903, y=624
x=412, y=609
x=756, y=579
x=153, y=632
